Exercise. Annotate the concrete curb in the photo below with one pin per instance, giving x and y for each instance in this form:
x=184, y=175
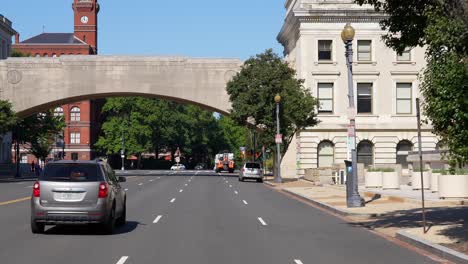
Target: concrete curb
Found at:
x=435, y=249
x=329, y=207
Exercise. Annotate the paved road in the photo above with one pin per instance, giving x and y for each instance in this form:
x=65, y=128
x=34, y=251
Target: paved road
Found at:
x=196, y=217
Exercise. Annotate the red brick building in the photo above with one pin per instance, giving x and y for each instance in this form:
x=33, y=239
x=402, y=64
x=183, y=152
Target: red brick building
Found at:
x=81, y=117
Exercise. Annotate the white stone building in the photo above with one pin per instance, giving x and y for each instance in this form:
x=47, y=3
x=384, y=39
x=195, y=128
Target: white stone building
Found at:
x=6, y=34
x=385, y=87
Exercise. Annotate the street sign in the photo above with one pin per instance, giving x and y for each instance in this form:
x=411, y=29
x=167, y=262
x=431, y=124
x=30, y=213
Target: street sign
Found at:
x=279, y=139
x=122, y=152
x=122, y=156
x=351, y=113
x=177, y=159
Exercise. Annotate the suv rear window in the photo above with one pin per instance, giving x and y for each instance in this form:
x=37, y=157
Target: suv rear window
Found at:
x=252, y=165
x=71, y=172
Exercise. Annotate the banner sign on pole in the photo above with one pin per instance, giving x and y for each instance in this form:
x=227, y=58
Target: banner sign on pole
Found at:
x=279, y=139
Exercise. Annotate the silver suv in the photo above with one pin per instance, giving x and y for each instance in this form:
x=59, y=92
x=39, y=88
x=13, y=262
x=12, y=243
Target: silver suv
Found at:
x=78, y=192
x=251, y=170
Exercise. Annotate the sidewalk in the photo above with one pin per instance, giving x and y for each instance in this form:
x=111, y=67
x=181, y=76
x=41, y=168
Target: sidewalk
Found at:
x=389, y=212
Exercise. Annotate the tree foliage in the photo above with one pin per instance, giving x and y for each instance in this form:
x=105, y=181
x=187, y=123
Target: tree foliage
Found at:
x=154, y=125
x=442, y=27
x=7, y=117
x=37, y=133
x=252, y=93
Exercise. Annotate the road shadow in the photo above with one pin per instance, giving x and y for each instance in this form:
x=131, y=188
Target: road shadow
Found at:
x=440, y=216
x=90, y=230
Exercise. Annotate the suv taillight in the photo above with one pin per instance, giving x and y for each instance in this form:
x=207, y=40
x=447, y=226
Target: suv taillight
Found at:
x=36, y=189
x=103, y=190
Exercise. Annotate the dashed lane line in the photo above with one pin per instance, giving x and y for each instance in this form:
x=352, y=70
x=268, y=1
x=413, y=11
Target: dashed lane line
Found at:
x=173, y=199
x=126, y=189
x=156, y=220
x=230, y=186
x=181, y=190
x=298, y=261
x=186, y=184
x=151, y=180
x=245, y=202
x=236, y=192
x=262, y=221
x=122, y=260
x=140, y=184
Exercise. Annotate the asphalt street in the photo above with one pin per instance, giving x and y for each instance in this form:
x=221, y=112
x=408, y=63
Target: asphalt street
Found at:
x=195, y=217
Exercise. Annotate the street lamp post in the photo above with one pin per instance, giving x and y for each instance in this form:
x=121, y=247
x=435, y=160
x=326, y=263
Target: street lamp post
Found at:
x=122, y=151
x=278, y=147
x=352, y=195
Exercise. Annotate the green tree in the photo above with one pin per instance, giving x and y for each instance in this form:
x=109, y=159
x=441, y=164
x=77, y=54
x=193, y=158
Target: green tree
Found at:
x=252, y=94
x=442, y=27
x=127, y=118
x=7, y=117
x=17, y=53
x=37, y=133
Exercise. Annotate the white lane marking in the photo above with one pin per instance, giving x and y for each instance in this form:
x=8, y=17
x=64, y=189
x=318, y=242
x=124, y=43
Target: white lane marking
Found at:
x=28, y=186
x=173, y=199
x=245, y=202
x=261, y=221
x=186, y=184
x=159, y=177
x=230, y=186
x=227, y=182
x=236, y=192
x=140, y=184
x=157, y=219
x=298, y=261
x=181, y=190
x=122, y=260
x=126, y=189
x=21, y=182
x=151, y=180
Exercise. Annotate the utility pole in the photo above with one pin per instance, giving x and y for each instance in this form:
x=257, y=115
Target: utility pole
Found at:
x=418, y=115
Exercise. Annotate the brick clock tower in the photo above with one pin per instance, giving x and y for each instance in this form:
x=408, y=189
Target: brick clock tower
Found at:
x=82, y=118
x=86, y=21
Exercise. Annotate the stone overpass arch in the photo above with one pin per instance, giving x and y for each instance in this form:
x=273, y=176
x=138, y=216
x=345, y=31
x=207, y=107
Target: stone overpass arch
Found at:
x=36, y=84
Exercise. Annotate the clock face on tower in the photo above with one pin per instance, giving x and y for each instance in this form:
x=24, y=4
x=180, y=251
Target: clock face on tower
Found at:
x=84, y=19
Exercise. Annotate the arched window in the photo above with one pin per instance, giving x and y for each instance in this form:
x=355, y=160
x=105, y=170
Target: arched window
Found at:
x=58, y=111
x=326, y=154
x=75, y=114
x=365, y=152
x=46, y=55
x=402, y=150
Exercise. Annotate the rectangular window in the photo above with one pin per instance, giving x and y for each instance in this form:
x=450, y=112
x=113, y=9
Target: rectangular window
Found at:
x=405, y=56
x=364, y=98
x=75, y=138
x=24, y=158
x=325, y=97
x=403, y=98
x=364, y=50
x=324, y=50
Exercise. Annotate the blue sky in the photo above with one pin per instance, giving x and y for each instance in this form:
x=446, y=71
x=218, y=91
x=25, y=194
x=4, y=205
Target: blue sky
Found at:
x=203, y=28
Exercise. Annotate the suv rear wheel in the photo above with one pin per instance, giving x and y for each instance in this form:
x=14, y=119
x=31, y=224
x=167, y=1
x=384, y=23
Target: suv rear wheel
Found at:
x=37, y=228
x=109, y=226
x=123, y=218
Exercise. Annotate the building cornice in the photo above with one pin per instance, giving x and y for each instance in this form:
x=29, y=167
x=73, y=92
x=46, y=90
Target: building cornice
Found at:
x=6, y=25
x=289, y=33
